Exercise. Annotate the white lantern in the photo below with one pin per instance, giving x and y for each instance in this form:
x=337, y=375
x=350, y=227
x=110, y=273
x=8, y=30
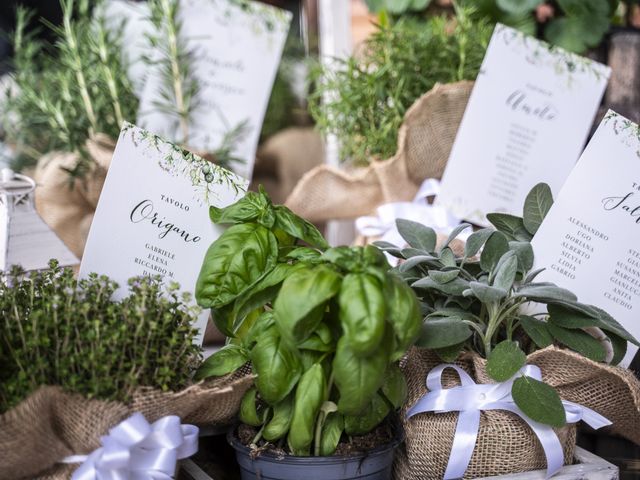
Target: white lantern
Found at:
x=25, y=238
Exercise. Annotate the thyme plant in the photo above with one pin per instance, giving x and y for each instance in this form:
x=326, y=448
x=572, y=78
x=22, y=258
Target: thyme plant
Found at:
x=56, y=330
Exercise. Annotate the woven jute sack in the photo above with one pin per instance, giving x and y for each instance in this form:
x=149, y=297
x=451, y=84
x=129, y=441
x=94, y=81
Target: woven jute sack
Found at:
x=424, y=143
x=67, y=204
x=51, y=424
x=505, y=443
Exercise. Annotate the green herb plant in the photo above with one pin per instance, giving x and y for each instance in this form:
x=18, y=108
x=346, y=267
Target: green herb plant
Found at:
x=56, y=330
x=475, y=302
x=67, y=92
x=370, y=93
x=322, y=327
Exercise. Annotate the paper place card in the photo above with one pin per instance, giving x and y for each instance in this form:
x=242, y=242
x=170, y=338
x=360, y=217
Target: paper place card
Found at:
x=526, y=122
x=153, y=214
x=589, y=241
x=236, y=47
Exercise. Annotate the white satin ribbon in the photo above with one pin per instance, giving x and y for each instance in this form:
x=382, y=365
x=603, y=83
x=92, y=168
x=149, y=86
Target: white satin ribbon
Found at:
x=383, y=224
x=137, y=450
x=470, y=399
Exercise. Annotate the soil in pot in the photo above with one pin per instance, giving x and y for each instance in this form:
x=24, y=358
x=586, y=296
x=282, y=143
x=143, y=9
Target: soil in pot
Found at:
x=367, y=457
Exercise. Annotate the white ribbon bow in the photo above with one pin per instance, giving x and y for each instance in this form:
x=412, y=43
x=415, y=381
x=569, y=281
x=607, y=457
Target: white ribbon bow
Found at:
x=470, y=398
x=384, y=223
x=136, y=450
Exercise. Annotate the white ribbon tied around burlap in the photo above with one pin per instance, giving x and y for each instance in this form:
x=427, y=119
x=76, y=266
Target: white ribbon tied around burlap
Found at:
x=137, y=450
x=469, y=399
x=383, y=224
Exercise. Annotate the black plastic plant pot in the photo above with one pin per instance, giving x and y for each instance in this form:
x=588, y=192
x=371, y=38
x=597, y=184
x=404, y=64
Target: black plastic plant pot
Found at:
x=375, y=464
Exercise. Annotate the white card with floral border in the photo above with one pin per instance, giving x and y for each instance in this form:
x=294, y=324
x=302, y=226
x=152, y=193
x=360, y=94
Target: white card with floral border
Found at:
x=589, y=241
x=153, y=214
x=235, y=48
x=526, y=122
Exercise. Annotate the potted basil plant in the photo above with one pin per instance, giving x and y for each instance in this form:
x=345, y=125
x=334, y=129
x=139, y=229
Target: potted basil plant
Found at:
x=323, y=328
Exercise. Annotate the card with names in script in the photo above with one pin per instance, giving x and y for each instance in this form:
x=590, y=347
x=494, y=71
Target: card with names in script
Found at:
x=589, y=242
x=235, y=48
x=527, y=120
x=153, y=214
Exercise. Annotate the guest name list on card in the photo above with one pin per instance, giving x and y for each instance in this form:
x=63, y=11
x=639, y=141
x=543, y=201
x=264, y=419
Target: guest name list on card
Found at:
x=527, y=120
x=153, y=214
x=589, y=241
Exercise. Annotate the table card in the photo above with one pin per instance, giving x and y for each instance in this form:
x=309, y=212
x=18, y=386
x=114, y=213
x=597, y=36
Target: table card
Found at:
x=526, y=122
x=236, y=47
x=153, y=213
x=589, y=241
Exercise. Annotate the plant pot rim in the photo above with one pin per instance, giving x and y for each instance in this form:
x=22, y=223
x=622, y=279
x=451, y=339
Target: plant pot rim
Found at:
x=266, y=456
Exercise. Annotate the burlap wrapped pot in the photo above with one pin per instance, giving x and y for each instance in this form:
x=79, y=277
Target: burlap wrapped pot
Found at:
x=424, y=143
x=505, y=443
x=52, y=424
x=67, y=204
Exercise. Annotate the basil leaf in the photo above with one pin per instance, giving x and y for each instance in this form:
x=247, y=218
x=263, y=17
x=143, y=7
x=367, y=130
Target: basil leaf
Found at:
x=279, y=424
x=539, y=401
x=252, y=207
x=476, y=241
x=299, y=228
x=579, y=341
x=439, y=333
x=277, y=366
x=301, y=301
x=234, y=262
x=346, y=258
x=510, y=225
x=357, y=378
x=394, y=386
x=249, y=409
x=536, y=207
x=417, y=235
x=505, y=360
x=310, y=394
x=331, y=433
x=403, y=313
x=304, y=254
x=371, y=417
x=494, y=249
x=319, y=341
x=537, y=331
x=226, y=360
x=362, y=312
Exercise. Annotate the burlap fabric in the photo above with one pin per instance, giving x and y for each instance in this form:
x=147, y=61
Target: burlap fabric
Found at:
x=424, y=143
x=51, y=424
x=505, y=443
x=67, y=205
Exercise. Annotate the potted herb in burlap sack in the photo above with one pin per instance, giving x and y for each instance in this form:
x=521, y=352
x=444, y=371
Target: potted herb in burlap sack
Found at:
x=70, y=100
x=324, y=329
x=77, y=365
x=494, y=390
x=395, y=108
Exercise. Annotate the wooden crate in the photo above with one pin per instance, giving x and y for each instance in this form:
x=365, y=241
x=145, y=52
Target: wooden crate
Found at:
x=587, y=467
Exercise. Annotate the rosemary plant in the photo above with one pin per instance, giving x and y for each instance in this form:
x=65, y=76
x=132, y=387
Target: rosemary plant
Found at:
x=399, y=62
x=67, y=92
x=56, y=330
